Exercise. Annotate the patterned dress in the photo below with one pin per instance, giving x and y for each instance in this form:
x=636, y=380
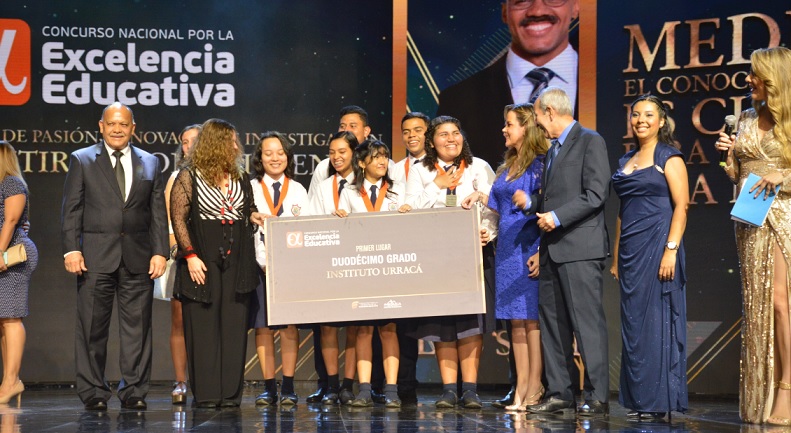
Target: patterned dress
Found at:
x=516, y=294
x=755, y=248
x=14, y=283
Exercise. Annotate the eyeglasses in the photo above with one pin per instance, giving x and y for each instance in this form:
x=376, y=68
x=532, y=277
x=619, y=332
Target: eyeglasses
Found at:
x=525, y=4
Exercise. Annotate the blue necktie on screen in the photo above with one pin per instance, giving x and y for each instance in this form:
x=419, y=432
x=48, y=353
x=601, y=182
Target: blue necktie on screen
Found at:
x=540, y=77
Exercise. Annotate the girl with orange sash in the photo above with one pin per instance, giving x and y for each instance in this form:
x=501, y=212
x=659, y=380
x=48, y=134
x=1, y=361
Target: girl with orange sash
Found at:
x=374, y=191
x=276, y=194
x=448, y=174
x=325, y=201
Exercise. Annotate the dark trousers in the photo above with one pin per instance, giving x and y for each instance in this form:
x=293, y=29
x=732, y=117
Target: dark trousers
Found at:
x=318, y=359
x=95, y=295
x=570, y=303
x=216, y=338
x=407, y=366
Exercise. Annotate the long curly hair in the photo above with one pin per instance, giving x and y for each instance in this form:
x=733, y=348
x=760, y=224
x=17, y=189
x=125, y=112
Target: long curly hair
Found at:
x=214, y=154
x=772, y=66
x=431, y=152
x=534, y=142
x=667, y=131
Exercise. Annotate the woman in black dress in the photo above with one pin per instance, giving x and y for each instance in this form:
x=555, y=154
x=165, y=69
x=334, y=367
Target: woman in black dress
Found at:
x=212, y=213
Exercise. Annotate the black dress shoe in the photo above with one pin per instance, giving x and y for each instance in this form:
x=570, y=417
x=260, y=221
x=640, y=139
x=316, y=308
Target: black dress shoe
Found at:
x=362, y=399
x=505, y=401
x=378, y=396
x=593, y=408
x=470, y=400
x=330, y=398
x=447, y=401
x=288, y=399
x=650, y=416
x=552, y=405
x=317, y=396
x=135, y=403
x=206, y=405
x=346, y=396
x=266, y=398
x=229, y=403
x=96, y=403
x=408, y=397
x=392, y=403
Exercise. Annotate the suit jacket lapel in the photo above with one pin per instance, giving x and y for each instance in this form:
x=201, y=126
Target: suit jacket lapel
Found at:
x=503, y=89
x=137, y=171
x=565, y=148
x=106, y=167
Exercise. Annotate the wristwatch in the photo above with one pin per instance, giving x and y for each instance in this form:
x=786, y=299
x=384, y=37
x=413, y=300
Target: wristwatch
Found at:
x=671, y=245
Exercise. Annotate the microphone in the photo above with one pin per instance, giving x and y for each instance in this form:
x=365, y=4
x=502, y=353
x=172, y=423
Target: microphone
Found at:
x=730, y=128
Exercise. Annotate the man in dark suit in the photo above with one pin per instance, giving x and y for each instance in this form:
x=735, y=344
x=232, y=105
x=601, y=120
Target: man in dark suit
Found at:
x=574, y=245
x=539, y=41
x=115, y=239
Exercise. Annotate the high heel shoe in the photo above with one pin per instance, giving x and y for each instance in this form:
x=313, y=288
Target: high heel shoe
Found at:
x=16, y=391
x=533, y=399
x=775, y=420
x=179, y=394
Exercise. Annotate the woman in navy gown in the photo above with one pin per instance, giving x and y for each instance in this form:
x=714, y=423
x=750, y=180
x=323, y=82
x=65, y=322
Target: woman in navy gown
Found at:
x=649, y=264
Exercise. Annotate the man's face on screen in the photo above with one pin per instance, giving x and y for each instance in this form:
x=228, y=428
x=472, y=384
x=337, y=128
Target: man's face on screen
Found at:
x=539, y=28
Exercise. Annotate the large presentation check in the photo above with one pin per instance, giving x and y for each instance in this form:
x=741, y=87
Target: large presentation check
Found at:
x=374, y=266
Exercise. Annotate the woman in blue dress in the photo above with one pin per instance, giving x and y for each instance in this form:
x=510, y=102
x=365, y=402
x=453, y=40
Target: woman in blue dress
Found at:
x=516, y=258
x=653, y=188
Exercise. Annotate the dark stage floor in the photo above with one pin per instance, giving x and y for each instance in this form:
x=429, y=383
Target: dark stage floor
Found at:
x=59, y=410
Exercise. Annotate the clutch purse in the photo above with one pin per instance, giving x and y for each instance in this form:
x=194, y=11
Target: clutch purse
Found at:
x=15, y=255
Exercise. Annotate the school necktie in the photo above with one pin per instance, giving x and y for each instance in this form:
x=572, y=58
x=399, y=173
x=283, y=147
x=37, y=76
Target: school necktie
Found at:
x=341, y=184
x=449, y=191
x=276, y=197
x=373, y=195
x=120, y=176
x=540, y=77
x=553, y=152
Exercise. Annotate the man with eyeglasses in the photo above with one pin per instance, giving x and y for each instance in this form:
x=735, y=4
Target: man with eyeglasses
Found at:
x=539, y=56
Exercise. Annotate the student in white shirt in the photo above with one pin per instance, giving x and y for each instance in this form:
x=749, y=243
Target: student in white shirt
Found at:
x=276, y=195
x=374, y=191
x=413, y=133
x=325, y=202
x=448, y=174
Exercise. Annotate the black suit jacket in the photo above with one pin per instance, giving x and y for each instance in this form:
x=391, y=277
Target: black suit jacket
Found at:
x=96, y=221
x=575, y=187
x=478, y=103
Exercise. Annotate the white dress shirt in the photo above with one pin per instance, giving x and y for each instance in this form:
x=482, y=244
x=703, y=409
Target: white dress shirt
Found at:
x=565, y=66
x=126, y=163
x=322, y=202
x=352, y=202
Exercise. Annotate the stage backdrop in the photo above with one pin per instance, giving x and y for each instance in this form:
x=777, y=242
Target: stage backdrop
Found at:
x=695, y=56
x=274, y=65
x=290, y=67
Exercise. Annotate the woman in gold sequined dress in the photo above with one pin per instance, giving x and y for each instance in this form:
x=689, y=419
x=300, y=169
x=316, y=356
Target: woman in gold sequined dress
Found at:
x=762, y=145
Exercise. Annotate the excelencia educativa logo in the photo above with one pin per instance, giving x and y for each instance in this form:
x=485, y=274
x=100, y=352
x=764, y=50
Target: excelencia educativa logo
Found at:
x=14, y=62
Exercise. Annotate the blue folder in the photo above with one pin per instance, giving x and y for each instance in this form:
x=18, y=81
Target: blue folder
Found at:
x=750, y=209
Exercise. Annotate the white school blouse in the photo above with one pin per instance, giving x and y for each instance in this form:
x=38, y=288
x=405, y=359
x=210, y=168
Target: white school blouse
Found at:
x=423, y=193
x=295, y=203
x=352, y=202
x=322, y=201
